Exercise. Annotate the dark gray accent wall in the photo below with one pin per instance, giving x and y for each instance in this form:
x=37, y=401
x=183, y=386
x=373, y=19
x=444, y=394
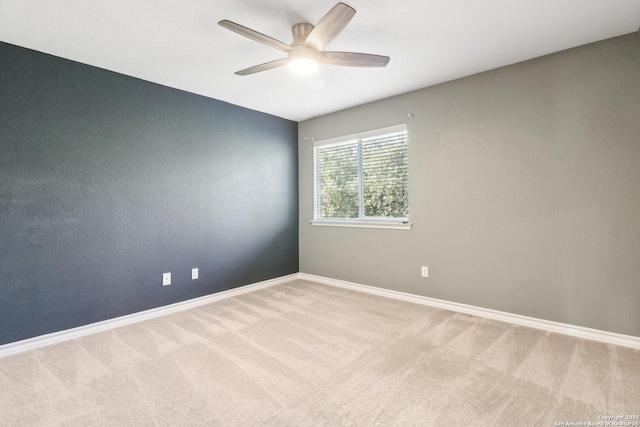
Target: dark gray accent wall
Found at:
x=107, y=181
x=524, y=187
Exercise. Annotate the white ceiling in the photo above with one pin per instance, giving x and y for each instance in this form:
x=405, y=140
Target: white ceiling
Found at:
x=179, y=44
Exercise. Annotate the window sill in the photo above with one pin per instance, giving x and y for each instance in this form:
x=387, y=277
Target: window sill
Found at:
x=394, y=225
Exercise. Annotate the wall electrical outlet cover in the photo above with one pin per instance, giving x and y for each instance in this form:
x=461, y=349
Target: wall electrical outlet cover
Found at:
x=194, y=273
x=166, y=279
x=425, y=271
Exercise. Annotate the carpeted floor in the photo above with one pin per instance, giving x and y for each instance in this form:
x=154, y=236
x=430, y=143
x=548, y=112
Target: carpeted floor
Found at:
x=305, y=354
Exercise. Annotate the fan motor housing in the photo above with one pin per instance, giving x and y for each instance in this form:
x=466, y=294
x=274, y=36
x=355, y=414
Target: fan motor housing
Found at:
x=300, y=33
x=303, y=52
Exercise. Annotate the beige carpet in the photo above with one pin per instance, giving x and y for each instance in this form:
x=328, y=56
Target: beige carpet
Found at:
x=306, y=354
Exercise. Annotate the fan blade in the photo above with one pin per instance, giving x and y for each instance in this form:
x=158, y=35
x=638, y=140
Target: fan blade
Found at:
x=352, y=59
x=330, y=26
x=262, y=67
x=254, y=35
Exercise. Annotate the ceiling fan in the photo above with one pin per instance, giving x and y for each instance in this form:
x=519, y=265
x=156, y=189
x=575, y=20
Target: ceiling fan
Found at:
x=306, y=51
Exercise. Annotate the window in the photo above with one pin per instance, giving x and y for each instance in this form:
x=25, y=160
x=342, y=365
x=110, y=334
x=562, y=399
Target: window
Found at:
x=361, y=180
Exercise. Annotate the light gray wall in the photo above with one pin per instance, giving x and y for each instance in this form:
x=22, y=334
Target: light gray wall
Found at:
x=524, y=191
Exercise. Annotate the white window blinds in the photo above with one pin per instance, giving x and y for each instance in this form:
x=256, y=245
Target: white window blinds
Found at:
x=362, y=177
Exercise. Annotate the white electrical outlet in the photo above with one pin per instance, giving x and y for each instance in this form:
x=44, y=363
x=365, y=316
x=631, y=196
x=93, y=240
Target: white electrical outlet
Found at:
x=166, y=279
x=425, y=271
x=194, y=273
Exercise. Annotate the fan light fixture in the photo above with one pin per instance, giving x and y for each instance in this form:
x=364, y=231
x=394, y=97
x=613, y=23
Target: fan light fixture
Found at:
x=306, y=51
x=302, y=59
x=303, y=66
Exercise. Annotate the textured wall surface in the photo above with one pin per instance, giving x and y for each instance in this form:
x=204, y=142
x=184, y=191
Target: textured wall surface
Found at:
x=524, y=186
x=107, y=181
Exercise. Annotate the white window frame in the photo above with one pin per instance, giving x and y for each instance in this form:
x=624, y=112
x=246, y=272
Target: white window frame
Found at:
x=362, y=222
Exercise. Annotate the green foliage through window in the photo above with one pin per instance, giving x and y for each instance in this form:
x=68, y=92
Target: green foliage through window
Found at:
x=362, y=178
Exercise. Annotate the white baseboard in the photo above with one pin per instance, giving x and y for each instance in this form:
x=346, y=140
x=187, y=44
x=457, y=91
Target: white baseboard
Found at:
x=547, y=325
x=532, y=322
x=69, y=334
